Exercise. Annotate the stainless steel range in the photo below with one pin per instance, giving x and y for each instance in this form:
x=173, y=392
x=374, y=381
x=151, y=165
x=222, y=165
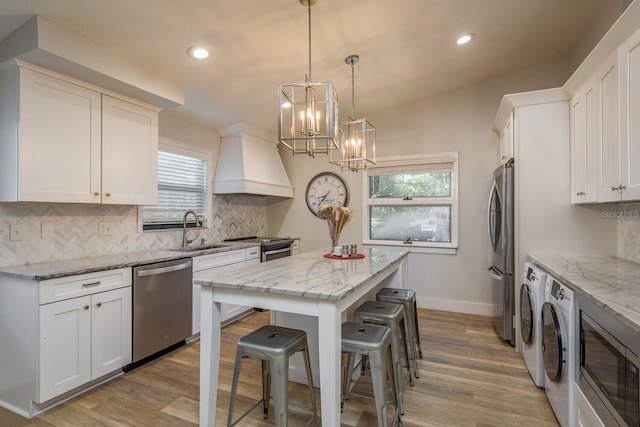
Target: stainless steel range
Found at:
x=271, y=247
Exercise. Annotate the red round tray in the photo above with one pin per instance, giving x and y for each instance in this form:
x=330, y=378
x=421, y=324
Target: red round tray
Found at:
x=332, y=256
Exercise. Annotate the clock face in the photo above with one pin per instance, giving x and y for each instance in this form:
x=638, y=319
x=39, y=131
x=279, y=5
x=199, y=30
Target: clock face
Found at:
x=324, y=189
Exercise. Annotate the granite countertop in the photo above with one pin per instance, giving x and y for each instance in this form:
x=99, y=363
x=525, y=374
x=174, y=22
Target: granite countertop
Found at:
x=309, y=274
x=54, y=269
x=612, y=283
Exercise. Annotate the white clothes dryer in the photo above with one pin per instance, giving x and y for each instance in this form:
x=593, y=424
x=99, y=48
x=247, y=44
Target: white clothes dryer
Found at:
x=558, y=337
x=531, y=300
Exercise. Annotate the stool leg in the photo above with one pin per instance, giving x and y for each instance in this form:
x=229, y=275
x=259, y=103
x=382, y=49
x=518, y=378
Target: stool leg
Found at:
x=415, y=309
x=307, y=366
x=266, y=388
x=280, y=385
x=347, y=371
x=405, y=345
x=378, y=366
x=394, y=390
x=234, y=385
x=413, y=337
x=395, y=357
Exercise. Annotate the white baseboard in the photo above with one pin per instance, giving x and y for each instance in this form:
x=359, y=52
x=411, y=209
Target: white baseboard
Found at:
x=456, y=306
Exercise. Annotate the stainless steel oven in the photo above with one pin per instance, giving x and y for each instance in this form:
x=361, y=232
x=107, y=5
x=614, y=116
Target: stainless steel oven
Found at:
x=609, y=362
x=270, y=247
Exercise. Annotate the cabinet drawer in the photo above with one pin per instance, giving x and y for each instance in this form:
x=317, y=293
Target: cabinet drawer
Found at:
x=83, y=284
x=216, y=260
x=253, y=252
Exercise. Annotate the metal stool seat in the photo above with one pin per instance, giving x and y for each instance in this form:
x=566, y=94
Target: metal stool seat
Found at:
x=407, y=298
x=374, y=342
x=392, y=316
x=273, y=345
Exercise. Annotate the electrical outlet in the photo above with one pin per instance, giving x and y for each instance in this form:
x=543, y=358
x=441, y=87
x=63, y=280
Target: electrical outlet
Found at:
x=104, y=229
x=16, y=232
x=46, y=230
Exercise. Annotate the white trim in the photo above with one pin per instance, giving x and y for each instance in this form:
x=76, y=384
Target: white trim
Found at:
x=421, y=247
x=184, y=149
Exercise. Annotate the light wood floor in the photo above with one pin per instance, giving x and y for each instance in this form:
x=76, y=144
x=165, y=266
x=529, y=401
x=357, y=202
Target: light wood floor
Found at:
x=468, y=377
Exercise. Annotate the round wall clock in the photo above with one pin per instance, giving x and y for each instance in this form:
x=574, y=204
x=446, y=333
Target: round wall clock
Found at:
x=324, y=189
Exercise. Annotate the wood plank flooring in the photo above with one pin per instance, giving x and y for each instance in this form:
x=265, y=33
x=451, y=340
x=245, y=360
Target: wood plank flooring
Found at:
x=468, y=377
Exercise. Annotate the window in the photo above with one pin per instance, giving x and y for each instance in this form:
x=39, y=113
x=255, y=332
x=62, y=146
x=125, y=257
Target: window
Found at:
x=182, y=187
x=413, y=200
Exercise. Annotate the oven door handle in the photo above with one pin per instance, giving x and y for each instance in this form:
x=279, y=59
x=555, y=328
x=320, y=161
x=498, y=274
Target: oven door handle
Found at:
x=277, y=251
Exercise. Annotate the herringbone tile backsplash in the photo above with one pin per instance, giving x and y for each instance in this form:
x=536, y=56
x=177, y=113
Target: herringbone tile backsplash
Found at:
x=76, y=229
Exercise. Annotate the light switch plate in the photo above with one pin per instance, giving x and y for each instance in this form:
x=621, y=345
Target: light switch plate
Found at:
x=46, y=230
x=16, y=232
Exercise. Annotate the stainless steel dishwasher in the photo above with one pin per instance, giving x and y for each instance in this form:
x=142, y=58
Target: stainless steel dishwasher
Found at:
x=162, y=304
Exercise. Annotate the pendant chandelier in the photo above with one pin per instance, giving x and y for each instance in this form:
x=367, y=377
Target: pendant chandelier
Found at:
x=357, y=137
x=308, y=112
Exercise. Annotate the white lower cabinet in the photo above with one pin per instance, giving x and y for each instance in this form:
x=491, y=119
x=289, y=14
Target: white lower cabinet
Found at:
x=82, y=339
x=59, y=335
x=220, y=263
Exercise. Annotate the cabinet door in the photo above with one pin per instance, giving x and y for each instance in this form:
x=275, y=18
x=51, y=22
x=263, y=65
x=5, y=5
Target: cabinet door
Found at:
x=195, y=315
x=65, y=346
x=129, y=153
x=230, y=311
x=59, y=148
x=110, y=331
x=630, y=116
x=584, y=145
x=609, y=130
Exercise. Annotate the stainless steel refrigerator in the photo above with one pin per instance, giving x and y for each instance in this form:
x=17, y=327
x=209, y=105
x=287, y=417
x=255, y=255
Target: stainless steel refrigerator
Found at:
x=500, y=225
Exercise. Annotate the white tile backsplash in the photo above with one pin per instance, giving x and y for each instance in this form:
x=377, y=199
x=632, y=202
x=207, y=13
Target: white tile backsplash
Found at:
x=629, y=231
x=75, y=229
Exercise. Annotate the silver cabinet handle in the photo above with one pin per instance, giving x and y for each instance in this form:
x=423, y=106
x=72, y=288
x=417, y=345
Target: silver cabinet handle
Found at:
x=621, y=187
x=99, y=304
x=580, y=193
x=88, y=285
x=108, y=194
x=613, y=188
x=96, y=194
x=86, y=307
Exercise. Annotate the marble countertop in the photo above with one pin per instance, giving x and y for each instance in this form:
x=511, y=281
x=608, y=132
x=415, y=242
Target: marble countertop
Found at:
x=309, y=274
x=54, y=269
x=612, y=283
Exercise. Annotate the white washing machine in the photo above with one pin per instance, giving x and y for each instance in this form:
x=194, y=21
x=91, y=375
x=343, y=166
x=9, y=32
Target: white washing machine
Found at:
x=558, y=337
x=532, y=298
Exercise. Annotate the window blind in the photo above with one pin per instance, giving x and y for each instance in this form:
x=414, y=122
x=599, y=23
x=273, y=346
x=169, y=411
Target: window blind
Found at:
x=182, y=184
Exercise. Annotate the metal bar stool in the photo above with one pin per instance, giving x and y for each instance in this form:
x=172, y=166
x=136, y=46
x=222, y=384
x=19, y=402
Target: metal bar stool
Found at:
x=273, y=345
x=407, y=298
x=392, y=316
x=374, y=342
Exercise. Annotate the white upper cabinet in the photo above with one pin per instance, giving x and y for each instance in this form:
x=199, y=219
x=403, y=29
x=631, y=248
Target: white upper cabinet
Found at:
x=129, y=153
x=608, y=81
x=585, y=157
x=63, y=141
x=630, y=117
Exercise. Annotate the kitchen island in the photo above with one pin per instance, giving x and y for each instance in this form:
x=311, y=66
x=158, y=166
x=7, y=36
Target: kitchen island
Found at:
x=307, y=284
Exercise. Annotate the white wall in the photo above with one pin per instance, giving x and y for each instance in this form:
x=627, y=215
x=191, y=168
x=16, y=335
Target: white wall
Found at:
x=460, y=120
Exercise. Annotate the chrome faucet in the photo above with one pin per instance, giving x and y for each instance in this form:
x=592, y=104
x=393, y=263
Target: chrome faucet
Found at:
x=185, y=242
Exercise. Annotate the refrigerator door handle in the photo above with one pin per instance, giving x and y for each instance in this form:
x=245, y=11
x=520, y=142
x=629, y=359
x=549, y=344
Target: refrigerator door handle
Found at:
x=494, y=274
x=491, y=214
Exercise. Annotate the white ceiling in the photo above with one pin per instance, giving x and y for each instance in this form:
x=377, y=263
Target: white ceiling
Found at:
x=407, y=48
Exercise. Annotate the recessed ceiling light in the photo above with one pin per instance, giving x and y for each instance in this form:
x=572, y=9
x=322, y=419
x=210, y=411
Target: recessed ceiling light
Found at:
x=198, y=52
x=465, y=38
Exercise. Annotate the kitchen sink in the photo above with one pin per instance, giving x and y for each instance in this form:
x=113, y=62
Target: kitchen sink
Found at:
x=199, y=248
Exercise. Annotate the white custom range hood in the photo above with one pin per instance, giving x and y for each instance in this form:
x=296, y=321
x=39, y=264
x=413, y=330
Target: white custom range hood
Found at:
x=249, y=163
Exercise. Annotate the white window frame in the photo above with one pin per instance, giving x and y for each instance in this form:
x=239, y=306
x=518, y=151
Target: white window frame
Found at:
x=452, y=200
x=176, y=147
